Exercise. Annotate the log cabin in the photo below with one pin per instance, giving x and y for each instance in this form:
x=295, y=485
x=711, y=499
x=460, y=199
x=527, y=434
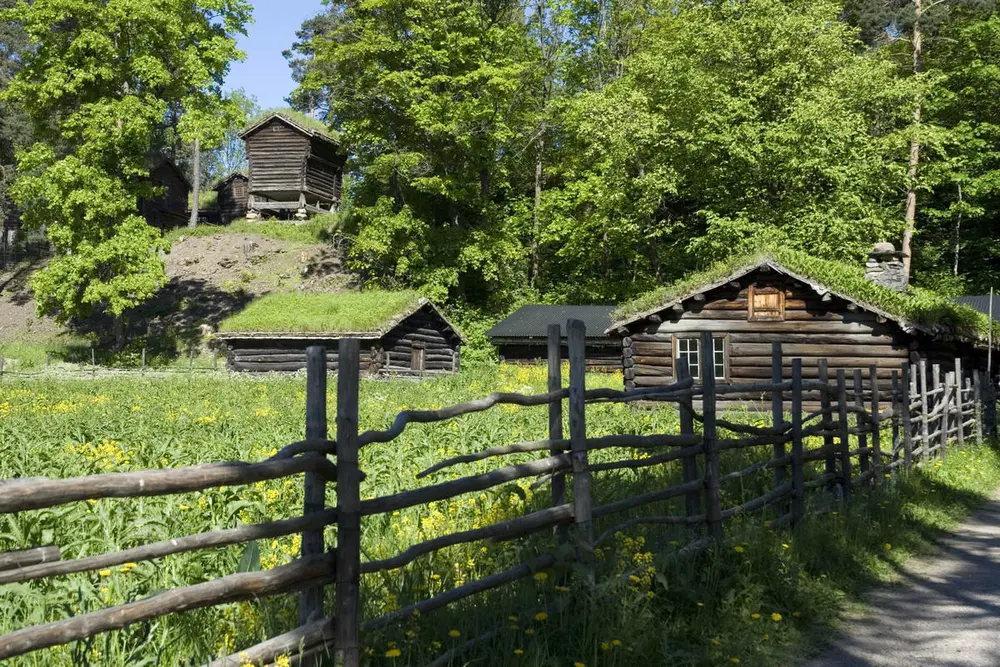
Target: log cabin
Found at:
x=400, y=334
x=522, y=337
x=296, y=166
x=817, y=309
x=169, y=209
x=231, y=202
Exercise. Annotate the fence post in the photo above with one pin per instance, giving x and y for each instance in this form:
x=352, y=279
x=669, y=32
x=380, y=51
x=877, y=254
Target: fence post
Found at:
x=143, y=358
x=977, y=404
x=777, y=411
x=798, y=474
x=907, y=429
x=830, y=466
x=713, y=507
x=689, y=464
x=48, y=358
x=347, y=647
x=896, y=401
x=577, y=334
x=960, y=402
x=876, y=425
x=556, y=419
x=859, y=402
x=845, y=437
x=945, y=413
x=93, y=361
x=1, y=365
x=311, y=599
x=925, y=410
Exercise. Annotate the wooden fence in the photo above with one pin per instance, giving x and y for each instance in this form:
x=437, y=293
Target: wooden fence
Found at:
x=866, y=438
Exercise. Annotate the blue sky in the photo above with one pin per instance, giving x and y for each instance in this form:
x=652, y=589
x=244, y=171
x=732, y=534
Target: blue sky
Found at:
x=265, y=74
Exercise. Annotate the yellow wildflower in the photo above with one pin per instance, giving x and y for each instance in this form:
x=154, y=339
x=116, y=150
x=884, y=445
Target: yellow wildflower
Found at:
x=519, y=651
x=887, y=547
x=776, y=617
x=541, y=576
x=105, y=573
x=392, y=653
x=454, y=633
x=541, y=616
x=734, y=660
x=755, y=616
x=738, y=549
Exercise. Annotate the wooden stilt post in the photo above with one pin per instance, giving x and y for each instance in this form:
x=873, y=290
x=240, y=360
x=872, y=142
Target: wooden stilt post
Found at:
x=845, y=438
x=959, y=403
x=798, y=466
x=925, y=411
x=824, y=399
x=905, y=417
x=713, y=502
x=692, y=499
x=859, y=402
x=876, y=425
x=577, y=332
x=556, y=418
x=311, y=599
x=347, y=646
x=777, y=411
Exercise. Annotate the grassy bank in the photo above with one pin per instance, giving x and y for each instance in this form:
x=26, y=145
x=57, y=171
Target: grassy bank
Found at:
x=758, y=598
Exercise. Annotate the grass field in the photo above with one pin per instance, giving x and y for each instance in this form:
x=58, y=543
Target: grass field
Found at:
x=758, y=599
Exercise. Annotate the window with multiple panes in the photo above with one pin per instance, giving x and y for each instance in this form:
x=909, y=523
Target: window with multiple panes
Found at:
x=690, y=349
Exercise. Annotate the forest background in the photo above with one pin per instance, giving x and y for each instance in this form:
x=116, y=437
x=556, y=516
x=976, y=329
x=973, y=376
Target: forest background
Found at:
x=507, y=151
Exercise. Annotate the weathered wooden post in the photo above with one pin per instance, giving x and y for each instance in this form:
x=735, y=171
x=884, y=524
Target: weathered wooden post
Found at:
x=191, y=359
x=845, y=438
x=859, y=402
x=960, y=402
x=311, y=599
x=876, y=425
x=144, y=358
x=777, y=412
x=577, y=334
x=925, y=412
x=896, y=400
x=556, y=419
x=713, y=502
x=977, y=404
x=689, y=464
x=93, y=361
x=830, y=466
x=48, y=358
x=347, y=646
x=1, y=365
x=798, y=465
x=945, y=413
x=905, y=417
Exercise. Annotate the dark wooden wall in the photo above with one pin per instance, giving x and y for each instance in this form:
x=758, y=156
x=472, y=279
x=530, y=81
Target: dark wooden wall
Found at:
x=812, y=330
x=232, y=201
x=421, y=330
x=277, y=155
x=265, y=355
x=602, y=357
x=324, y=172
x=170, y=208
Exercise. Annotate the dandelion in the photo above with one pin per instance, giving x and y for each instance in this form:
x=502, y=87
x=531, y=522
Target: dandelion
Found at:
x=734, y=660
x=541, y=616
x=519, y=651
x=715, y=641
x=755, y=616
x=529, y=631
x=562, y=589
x=616, y=642
x=184, y=508
x=605, y=646
x=435, y=576
x=393, y=653
x=634, y=579
x=700, y=604
x=512, y=619
x=105, y=573
x=887, y=546
x=776, y=617
x=541, y=576
x=738, y=549
x=454, y=633
x=784, y=546
x=579, y=664
x=411, y=634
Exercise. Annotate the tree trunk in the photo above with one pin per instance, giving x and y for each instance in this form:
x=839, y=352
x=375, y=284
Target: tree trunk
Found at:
x=538, y=206
x=914, y=163
x=193, y=222
x=958, y=231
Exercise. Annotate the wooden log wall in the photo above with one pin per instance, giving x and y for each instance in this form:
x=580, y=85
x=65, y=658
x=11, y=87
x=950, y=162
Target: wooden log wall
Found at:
x=604, y=357
x=421, y=330
x=262, y=356
x=232, y=202
x=277, y=155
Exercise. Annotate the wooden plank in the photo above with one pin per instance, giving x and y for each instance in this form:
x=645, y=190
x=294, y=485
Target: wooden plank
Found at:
x=713, y=501
x=946, y=410
x=798, y=465
x=876, y=409
x=346, y=633
x=311, y=599
x=659, y=371
x=845, y=438
x=811, y=362
x=814, y=339
x=859, y=402
x=653, y=349
x=830, y=463
x=662, y=361
x=689, y=464
x=556, y=419
x=22, y=558
x=977, y=397
x=582, y=510
x=828, y=351
x=906, y=386
x=773, y=327
x=777, y=413
x=959, y=402
x=739, y=374
x=925, y=406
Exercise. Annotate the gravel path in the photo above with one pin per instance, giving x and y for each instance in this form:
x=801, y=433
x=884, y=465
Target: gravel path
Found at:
x=945, y=611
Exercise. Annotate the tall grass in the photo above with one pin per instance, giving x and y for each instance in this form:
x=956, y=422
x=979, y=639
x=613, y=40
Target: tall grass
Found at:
x=650, y=606
x=315, y=230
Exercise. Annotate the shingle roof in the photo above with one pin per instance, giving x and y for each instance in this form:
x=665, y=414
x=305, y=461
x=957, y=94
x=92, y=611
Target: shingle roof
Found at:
x=981, y=302
x=533, y=321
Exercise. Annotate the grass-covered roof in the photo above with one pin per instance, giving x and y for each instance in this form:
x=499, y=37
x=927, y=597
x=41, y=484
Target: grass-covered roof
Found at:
x=296, y=117
x=371, y=311
x=918, y=307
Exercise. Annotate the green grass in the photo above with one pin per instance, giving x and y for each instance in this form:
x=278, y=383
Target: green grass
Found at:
x=321, y=312
x=296, y=117
x=207, y=199
x=314, y=230
x=30, y=355
x=918, y=306
x=677, y=611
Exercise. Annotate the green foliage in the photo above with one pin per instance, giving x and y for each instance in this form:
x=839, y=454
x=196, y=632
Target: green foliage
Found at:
x=917, y=306
x=322, y=312
x=142, y=71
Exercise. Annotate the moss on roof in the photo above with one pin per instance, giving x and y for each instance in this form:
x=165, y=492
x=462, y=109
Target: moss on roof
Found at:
x=315, y=312
x=296, y=117
x=917, y=306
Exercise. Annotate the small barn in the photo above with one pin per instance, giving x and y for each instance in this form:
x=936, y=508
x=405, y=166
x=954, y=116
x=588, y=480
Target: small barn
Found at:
x=817, y=309
x=400, y=332
x=231, y=202
x=295, y=165
x=522, y=337
x=170, y=208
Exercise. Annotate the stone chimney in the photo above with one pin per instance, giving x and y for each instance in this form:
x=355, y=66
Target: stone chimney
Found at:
x=885, y=267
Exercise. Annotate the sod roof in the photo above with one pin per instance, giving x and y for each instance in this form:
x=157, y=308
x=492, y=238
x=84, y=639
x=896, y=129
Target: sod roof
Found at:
x=368, y=314
x=915, y=310
x=293, y=117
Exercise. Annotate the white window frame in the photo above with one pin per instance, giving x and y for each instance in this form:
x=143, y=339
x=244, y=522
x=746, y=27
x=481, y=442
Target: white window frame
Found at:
x=684, y=340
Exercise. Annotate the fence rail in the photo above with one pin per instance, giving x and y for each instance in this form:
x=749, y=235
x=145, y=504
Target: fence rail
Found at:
x=924, y=415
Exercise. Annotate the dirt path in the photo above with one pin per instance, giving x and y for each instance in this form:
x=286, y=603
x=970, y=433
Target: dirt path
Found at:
x=944, y=612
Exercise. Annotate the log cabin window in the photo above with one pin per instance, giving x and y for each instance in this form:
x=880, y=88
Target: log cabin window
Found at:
x=689, y=348
x=766, y=304
x=417, y=359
